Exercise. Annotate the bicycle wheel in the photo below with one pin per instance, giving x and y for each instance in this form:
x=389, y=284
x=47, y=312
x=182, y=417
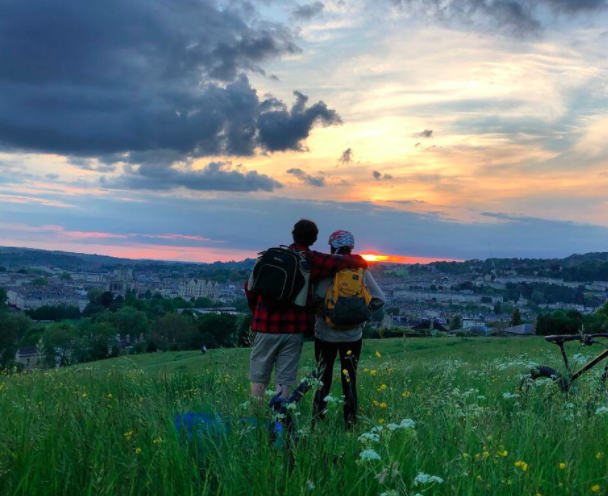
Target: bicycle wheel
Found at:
x=544, y=372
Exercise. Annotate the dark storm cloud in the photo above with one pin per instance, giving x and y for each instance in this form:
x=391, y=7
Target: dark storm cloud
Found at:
x=216, y=176
x=514, y=16
x=118, y=79
x=346, y=157
x=308, y=11
x=317, y=181
x=281, y=129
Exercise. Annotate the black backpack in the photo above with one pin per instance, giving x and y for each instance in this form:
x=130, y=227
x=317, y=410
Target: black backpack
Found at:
x=281, y=275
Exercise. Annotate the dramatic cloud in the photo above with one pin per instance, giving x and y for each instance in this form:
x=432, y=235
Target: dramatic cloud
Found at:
x=346, y=157
x=125, y=78
x=308, y=11
x=317, y=181
x=378, y=176
x=515, y=16
x=216, y=176
x=281, y=129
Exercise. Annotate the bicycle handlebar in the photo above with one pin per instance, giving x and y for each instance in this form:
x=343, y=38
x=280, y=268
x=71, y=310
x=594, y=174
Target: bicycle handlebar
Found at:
x=573, y=337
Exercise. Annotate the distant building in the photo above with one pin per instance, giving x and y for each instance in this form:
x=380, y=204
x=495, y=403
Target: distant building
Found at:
x=27, y=357
x=121, y=281
x=31, y=298
x=199, y=288
x=521, y=330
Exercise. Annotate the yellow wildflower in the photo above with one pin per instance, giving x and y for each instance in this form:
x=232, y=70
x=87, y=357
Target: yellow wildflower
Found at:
x=406, y=394
x=376, y=402
x=595, y=489
x=503, y=453
x=349, y=352
x=128, y=435
x=383, y=387
x=383, y=405
x=138, y=451
x=562, y=466
x=378, y=354
x=373, y=372
x=599, y=455
x=345, y=372
x=84, y=395
x=465, y=455
x=110, y=396
x=486, y=454
x=381, y=421
x=158, y=440
x=366, y=370
x=479, y=477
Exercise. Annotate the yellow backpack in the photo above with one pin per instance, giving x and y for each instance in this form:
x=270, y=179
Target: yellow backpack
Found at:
x=347, y=301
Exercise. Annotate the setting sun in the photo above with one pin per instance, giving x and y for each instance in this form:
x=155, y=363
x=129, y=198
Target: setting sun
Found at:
x=370, y=257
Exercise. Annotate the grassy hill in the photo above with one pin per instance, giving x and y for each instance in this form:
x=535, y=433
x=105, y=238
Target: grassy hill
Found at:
x=108, y=427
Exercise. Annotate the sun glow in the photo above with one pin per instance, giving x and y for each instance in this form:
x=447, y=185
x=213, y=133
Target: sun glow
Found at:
x=370, y=257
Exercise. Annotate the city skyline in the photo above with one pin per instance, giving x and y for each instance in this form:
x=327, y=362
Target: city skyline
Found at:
x=432, y=130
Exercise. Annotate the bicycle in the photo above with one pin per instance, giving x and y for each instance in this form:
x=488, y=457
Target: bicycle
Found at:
x=565, y=382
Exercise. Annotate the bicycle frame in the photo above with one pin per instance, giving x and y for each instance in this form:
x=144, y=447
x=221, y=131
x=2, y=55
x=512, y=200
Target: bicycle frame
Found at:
x=586, y=340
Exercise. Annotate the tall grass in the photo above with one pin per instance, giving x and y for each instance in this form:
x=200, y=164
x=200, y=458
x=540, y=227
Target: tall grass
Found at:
x=108, y=428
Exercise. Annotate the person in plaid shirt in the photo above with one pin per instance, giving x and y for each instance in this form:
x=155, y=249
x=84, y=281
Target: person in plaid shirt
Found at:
x=278, y=333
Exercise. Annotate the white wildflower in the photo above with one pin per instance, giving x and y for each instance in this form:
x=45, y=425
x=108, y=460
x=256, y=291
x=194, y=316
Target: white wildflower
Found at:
x=330, y=399
x=510, y=396
x=369, y=455
x=291, y=406
x=369, y=437
x=601, y=410
x=423, y=478
x=310, y=485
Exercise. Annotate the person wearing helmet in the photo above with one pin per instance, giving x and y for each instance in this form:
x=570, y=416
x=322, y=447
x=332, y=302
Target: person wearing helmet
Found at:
x=331, y=342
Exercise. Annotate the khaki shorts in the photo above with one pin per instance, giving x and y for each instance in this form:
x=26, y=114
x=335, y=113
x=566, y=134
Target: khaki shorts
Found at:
x=281, y=351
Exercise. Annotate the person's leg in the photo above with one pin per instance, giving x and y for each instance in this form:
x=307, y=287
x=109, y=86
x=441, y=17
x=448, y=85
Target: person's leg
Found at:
x=261, y=362
x=325, y=356
x=287, y=362
x=349, y=361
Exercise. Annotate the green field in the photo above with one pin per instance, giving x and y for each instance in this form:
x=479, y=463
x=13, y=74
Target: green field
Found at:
x=108, y=427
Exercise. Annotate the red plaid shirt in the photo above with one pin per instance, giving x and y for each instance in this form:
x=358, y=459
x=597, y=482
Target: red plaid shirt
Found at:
x=293, y=319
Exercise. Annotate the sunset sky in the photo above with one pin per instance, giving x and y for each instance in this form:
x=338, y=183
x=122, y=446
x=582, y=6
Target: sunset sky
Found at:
x=201, y=130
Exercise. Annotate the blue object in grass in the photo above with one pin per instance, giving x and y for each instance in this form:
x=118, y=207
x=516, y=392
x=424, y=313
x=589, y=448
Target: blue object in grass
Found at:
x=201, y=424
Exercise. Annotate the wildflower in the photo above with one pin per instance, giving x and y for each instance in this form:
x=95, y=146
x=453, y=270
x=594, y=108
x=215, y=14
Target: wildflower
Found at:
x=345, y=372
x=84, y=395
x=369, y=437
x=562, y=466
x=138, y=451
x=310, y=485
x=373, y=372
x=522, y=465
x=376, y=403
x=503, y=453
x=479, y=477
x=383, y=405
x=382, y=388
x=369, y=455
x=110, y=396
x=349, y=352
x=599, y=455
x=405, y=424
x=128, y=435
x=465, y=455
x=406, y=394
x=381, y=421
x=378, y=354
x=509, y=396
x=366, y=370
x=423, y=478
x=595, y=489
x=601, y=410
x=486, y=454
x=158, y=440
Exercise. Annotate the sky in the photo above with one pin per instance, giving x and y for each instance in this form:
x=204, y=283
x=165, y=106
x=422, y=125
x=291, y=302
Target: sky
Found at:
x=202, y=130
